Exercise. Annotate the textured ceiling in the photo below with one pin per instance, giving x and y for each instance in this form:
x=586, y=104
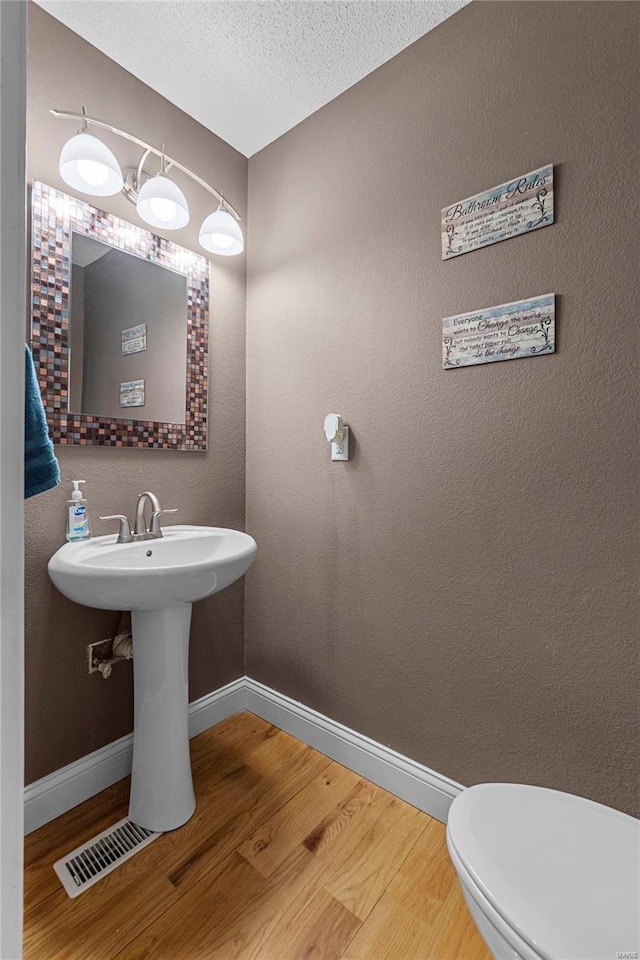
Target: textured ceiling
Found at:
x=249, y=70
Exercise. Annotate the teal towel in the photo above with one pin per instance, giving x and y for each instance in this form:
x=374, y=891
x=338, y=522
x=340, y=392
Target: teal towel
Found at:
x=41, y=470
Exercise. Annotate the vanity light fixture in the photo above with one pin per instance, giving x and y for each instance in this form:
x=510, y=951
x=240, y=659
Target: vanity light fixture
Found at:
x=87, y=165
x=161, y=203
x=221, y=234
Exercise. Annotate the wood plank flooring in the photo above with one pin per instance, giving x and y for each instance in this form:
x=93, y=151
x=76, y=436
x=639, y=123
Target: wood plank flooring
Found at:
x=289, y=856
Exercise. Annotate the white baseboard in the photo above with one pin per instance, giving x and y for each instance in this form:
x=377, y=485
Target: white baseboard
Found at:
x=53, y=795
x=418, y=785
x=216, y=706
x=425, y=789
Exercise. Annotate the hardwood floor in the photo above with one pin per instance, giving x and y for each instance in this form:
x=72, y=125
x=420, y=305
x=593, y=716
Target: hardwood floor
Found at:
x=288, y=856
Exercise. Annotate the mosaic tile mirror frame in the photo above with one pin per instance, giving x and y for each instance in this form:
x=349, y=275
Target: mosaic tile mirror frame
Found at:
x=55, y=217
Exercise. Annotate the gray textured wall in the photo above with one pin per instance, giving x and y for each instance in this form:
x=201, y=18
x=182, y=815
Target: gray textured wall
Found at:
x=465, y=588
x=68, y=713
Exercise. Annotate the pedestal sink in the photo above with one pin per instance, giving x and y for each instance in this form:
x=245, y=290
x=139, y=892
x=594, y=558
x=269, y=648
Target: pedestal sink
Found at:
x=158, y=580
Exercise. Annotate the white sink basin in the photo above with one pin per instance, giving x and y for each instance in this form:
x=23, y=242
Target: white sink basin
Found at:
x=186, y=564
x=158, y=580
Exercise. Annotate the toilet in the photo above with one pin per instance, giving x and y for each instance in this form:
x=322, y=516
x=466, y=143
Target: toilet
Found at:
x=547, y=875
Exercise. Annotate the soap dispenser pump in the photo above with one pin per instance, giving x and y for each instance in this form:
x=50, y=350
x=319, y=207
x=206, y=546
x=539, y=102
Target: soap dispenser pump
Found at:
x=78, y=521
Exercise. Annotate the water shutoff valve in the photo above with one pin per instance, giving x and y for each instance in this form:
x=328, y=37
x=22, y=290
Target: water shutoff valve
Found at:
x=103, y=654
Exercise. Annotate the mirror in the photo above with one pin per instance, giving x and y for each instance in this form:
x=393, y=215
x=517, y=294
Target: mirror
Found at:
x=119, y=329
x=127, y=325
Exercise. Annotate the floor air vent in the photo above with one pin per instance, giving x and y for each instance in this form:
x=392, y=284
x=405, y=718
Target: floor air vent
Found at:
x=89, y=863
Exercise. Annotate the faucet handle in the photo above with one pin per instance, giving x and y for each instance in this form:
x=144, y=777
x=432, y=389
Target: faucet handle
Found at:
x=155, y=519
x=124, y=534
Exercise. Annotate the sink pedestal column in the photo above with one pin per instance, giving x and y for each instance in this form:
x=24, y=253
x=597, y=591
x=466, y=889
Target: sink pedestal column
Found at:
x=162, y=796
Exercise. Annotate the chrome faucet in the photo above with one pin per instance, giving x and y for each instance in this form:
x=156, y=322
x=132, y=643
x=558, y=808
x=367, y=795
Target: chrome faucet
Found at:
x=140, y=530
x=140, y=527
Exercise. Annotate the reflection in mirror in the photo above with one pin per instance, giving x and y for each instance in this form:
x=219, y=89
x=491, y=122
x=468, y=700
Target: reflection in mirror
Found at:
x=128, y=323
x=119, y=329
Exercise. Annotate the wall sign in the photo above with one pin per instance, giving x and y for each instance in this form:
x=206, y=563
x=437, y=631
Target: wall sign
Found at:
x=132, y=393
x=518, y=206
x=525, y=328
x=134, y=339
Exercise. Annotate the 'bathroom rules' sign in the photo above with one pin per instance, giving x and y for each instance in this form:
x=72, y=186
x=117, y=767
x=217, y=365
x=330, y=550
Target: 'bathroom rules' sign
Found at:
x=518, y=206
x=525, y=328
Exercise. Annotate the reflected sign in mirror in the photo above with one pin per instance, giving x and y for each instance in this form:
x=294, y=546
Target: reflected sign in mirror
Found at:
x=115, y=305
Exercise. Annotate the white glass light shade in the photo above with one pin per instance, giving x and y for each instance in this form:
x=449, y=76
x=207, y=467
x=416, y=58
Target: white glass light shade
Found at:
x=162, y=204
x=89, y=166
x=220, y=233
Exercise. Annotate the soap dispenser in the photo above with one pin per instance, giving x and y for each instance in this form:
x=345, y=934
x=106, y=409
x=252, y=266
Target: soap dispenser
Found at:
x=78, y=522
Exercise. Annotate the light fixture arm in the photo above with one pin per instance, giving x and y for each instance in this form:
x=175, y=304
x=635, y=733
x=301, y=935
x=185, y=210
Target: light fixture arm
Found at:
x=143, y=159
x=148, y=150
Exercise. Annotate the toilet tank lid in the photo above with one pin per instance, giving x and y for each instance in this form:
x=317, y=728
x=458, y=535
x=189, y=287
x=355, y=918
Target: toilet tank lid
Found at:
x=562, y=871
